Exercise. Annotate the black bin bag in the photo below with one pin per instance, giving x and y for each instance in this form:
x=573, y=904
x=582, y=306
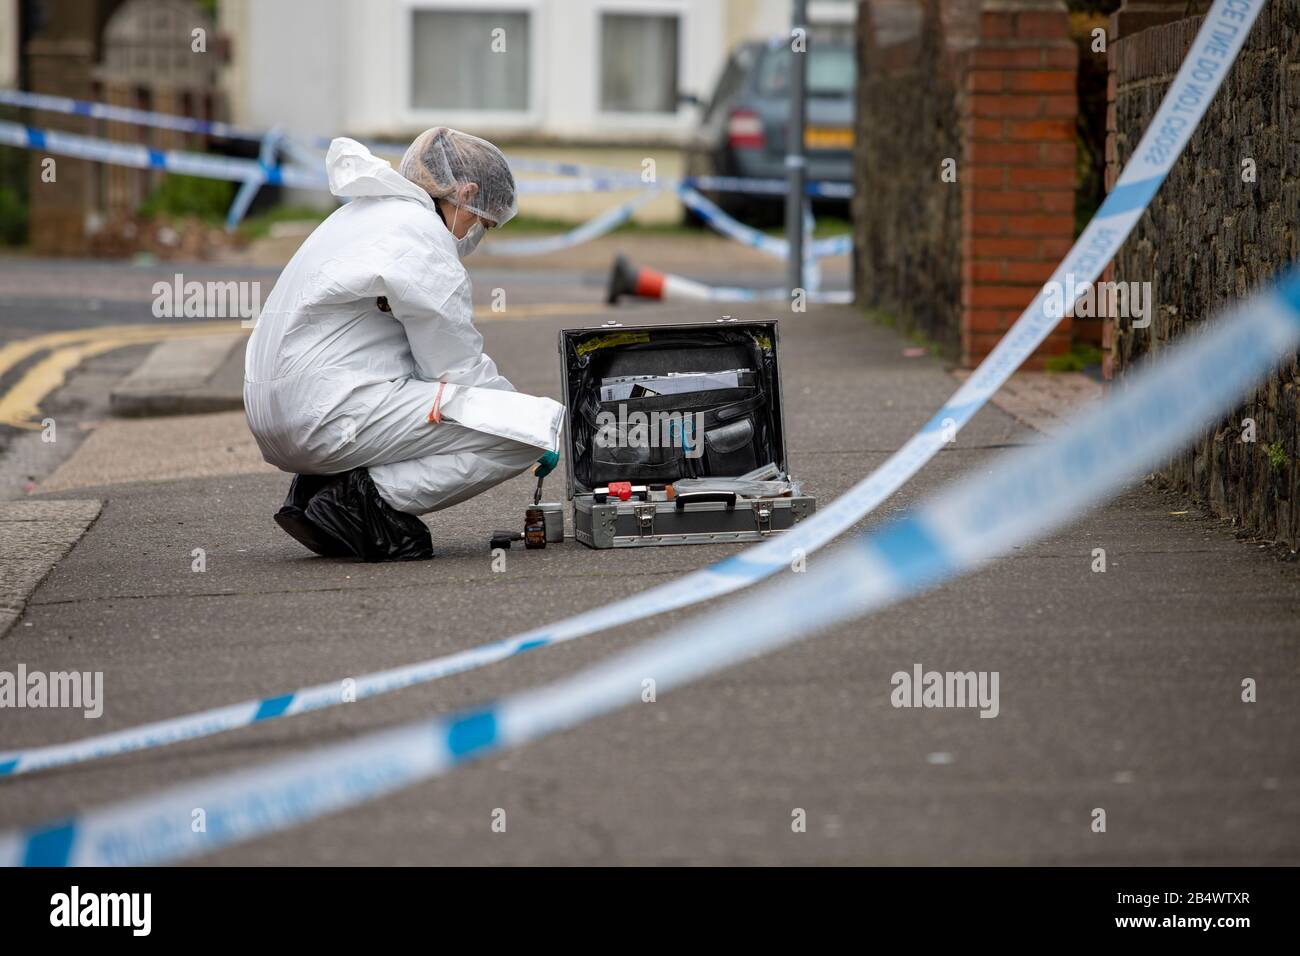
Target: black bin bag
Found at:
x=348, y=508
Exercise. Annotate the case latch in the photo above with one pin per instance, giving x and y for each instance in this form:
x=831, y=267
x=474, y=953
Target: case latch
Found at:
x=645, y=519
x=763, y=515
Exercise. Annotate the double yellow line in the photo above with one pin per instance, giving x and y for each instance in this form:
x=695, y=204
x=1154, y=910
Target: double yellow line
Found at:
x=20, y=405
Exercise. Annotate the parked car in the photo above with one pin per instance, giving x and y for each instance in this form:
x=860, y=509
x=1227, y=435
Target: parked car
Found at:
x=742, y=130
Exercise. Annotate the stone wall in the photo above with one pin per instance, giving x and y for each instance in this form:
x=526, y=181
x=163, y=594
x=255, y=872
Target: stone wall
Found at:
x=908, y=244
x=1209, y=238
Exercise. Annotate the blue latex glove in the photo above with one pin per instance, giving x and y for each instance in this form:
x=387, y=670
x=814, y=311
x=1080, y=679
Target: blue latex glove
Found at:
x=546, y=464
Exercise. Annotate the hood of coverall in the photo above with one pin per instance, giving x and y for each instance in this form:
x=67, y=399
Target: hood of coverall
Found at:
x=354, y=172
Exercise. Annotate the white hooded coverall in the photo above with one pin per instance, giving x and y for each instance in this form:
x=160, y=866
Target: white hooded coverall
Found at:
x=332, y=382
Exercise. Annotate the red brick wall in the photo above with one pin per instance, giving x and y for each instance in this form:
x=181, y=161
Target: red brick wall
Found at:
x=1018, y=162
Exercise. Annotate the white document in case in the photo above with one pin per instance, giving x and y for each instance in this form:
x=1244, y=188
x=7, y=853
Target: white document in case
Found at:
x=674, y=383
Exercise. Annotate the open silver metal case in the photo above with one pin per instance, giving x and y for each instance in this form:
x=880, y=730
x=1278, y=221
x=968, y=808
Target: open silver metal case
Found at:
x=725, y=431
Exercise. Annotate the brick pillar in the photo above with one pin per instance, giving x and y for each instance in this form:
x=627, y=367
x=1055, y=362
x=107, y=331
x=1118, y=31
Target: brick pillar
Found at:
x=60, y=59
x=1132, y=17
x=1018, y=168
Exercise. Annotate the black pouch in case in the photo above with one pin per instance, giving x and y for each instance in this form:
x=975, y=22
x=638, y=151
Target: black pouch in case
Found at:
x=661, y=438
x=729, y=448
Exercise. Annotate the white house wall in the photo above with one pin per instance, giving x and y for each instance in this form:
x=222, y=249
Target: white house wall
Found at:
x=326, y=66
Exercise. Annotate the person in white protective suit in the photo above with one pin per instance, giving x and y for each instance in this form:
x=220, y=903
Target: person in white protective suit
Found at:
x=365, y=376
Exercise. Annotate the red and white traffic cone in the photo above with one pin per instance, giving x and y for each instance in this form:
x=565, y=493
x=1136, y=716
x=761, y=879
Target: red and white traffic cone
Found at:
x=627, y=279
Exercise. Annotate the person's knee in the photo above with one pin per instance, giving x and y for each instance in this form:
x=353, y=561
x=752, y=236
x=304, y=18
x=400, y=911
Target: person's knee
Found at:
x=517, y=455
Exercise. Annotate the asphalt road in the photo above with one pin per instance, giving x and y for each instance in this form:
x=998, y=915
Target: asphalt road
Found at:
x=1117, y=691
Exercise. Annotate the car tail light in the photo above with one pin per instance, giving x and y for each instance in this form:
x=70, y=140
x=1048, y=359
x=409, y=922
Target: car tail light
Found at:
x=745, y=129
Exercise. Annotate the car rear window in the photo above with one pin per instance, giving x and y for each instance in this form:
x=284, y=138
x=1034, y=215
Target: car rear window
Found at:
x=831, y=71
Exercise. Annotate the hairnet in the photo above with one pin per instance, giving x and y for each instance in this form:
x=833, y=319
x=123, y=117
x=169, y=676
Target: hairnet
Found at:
x=443, y=159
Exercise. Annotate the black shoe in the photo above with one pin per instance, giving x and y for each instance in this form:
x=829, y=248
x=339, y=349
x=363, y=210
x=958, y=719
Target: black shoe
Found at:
x=293, y=519
x=348, y=507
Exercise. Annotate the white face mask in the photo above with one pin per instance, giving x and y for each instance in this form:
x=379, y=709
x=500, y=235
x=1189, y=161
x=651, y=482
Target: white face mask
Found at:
x=472, y=238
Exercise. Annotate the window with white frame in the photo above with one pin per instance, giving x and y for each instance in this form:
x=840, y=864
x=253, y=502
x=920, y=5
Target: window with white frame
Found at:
x=638, y=62
x=469, y=59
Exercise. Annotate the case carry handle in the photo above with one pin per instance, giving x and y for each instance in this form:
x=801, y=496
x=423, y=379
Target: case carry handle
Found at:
x=699, y=497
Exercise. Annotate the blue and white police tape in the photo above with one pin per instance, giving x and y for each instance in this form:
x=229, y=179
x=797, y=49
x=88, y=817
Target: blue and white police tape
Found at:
x=601, y=177
x=594, y=228
x=613, y=179
x=733, y=228
x=580, y=178
x=817, y=189
x=233, y=168
x=616, y=216
x=247, y=192
x=136, y=117
x=170, y=160
x=126, y=114
x=211, y=166
x=558, y=187
x=1024, y=496
x=188, y=124
x=1223, y=31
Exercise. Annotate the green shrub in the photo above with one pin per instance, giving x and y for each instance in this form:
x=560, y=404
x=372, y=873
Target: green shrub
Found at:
x=178, y=196
x=1076, y=360
x=255, y=227
x=13, y=216
x=14, y=184
x=1276, y=457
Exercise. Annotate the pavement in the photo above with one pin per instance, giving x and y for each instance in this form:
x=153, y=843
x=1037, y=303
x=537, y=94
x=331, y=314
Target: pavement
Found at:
x=36, y=534
x=1119, y=690
x=185, y=376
